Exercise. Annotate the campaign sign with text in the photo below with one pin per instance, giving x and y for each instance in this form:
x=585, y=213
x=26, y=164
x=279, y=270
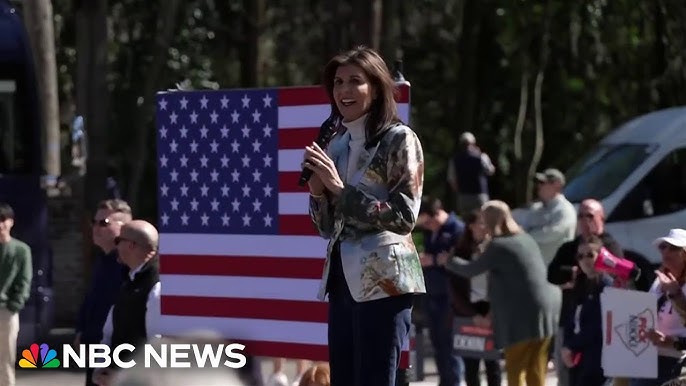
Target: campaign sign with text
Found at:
x=627, y=317
x=472, y=341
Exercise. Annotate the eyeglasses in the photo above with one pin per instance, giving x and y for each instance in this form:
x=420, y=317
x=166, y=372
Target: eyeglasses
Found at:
x=102, y=223
x=587, y=255
x=586, y=216
x=668, y=246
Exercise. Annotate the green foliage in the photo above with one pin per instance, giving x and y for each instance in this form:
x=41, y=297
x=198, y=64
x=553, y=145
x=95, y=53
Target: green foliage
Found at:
x=603, y=63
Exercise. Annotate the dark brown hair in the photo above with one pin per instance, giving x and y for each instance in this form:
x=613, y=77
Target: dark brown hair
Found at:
x=466, y=245
x=594, y=242
x=383, y=112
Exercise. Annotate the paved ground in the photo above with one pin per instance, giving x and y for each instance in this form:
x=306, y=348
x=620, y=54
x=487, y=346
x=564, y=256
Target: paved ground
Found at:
x=67, y=378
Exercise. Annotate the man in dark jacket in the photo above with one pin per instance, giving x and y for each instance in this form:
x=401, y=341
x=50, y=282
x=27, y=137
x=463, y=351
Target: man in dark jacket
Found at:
x=107, y=274
x=442, y=230
x=468, y=173
x=563, y=269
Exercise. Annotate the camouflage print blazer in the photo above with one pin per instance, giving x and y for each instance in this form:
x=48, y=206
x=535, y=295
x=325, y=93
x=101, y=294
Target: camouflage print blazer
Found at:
x=374, y=216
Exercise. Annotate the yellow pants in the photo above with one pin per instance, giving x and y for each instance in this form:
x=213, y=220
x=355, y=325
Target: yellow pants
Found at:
x=527, y=362
x=620, y=382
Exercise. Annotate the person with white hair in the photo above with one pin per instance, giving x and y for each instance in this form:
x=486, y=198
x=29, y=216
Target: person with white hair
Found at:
x=468, y=173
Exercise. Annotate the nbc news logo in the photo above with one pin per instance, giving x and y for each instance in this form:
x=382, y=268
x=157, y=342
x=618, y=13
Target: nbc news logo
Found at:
x=39, y=357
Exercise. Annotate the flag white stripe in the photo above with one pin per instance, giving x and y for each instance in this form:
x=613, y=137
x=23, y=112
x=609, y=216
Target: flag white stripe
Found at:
x=295, y=117
x=248, y=329
x=251, y=329
x=290, y=160
x=294, y=203
x=243, y=287
x=242, y=245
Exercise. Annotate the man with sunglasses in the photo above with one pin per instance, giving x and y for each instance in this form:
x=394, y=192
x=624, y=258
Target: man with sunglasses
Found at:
x=106, y=276
x=16, y=273
x=134, y=316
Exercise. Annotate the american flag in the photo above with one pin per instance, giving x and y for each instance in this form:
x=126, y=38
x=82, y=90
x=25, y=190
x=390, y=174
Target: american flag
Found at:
x=238, y=252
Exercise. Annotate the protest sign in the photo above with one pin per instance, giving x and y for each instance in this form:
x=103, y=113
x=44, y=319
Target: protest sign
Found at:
x=627, y=317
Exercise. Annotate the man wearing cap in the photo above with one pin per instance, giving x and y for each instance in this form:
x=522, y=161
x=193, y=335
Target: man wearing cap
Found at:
x=552, y=220
x=468, y=174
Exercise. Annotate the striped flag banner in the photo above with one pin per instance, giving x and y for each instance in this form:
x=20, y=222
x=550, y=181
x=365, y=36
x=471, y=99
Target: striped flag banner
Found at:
x=238, y=252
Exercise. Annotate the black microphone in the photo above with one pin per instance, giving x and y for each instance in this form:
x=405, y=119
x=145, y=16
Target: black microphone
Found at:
x=326, y=132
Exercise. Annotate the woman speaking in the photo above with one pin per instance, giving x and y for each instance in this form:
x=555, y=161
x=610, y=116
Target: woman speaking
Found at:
x=365, y=193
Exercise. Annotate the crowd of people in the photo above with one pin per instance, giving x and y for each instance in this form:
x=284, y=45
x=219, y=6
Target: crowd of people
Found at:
x=534, y=281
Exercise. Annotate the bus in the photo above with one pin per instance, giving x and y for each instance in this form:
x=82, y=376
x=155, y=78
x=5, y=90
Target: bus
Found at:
x=21, y=166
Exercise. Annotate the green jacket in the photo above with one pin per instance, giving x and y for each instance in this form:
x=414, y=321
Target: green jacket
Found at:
x=16, y=273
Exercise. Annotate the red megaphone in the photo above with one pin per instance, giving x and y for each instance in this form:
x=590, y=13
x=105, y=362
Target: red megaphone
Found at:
x=616, y=266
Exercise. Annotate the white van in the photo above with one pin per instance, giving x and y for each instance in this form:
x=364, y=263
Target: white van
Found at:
x=638, y=172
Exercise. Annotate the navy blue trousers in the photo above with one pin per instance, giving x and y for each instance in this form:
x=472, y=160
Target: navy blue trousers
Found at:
x=440, y=316
x=366, y=338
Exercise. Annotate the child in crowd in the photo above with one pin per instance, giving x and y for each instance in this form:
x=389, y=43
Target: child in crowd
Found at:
x=582, y=351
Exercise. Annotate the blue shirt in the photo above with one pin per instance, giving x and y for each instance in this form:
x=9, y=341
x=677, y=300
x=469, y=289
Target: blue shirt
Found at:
x=106, y=279
x=443, y=240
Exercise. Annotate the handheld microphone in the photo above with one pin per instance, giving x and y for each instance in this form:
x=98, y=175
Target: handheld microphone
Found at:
x=326, y=132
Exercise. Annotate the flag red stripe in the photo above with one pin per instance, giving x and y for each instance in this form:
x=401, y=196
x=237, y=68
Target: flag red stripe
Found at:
x=254, y=266
x=271, y=309
x=297, y=138
x=316, y=95
x=298, y=96
x=403, y=94
x=296, y=224
x=288, y=183
x=312, y=352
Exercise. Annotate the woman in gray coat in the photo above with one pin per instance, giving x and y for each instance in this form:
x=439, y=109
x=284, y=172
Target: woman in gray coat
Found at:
x=524, y=307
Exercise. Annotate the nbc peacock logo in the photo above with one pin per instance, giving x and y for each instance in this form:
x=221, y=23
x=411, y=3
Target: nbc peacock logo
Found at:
x=30, y=357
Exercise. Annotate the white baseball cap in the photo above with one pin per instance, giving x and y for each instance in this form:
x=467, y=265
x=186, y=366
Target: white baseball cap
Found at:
x=676, y=237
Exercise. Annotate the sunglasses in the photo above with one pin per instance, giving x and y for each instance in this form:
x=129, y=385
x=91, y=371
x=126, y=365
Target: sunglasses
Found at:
x=587, y=255
x=668, y=246
x=102, y=223
x=586, y=216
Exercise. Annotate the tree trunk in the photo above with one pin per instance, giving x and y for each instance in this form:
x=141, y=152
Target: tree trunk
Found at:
x=538, y=109
x=361, y=22
x=163, y=37
x=92, y=105
x=520, y=187
x=375, y=26
x=250, y=51
x=40, y=26
x=390, y=30
x=334, y=31
x=538, y=143
x=92, y=94
x=467, y=69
